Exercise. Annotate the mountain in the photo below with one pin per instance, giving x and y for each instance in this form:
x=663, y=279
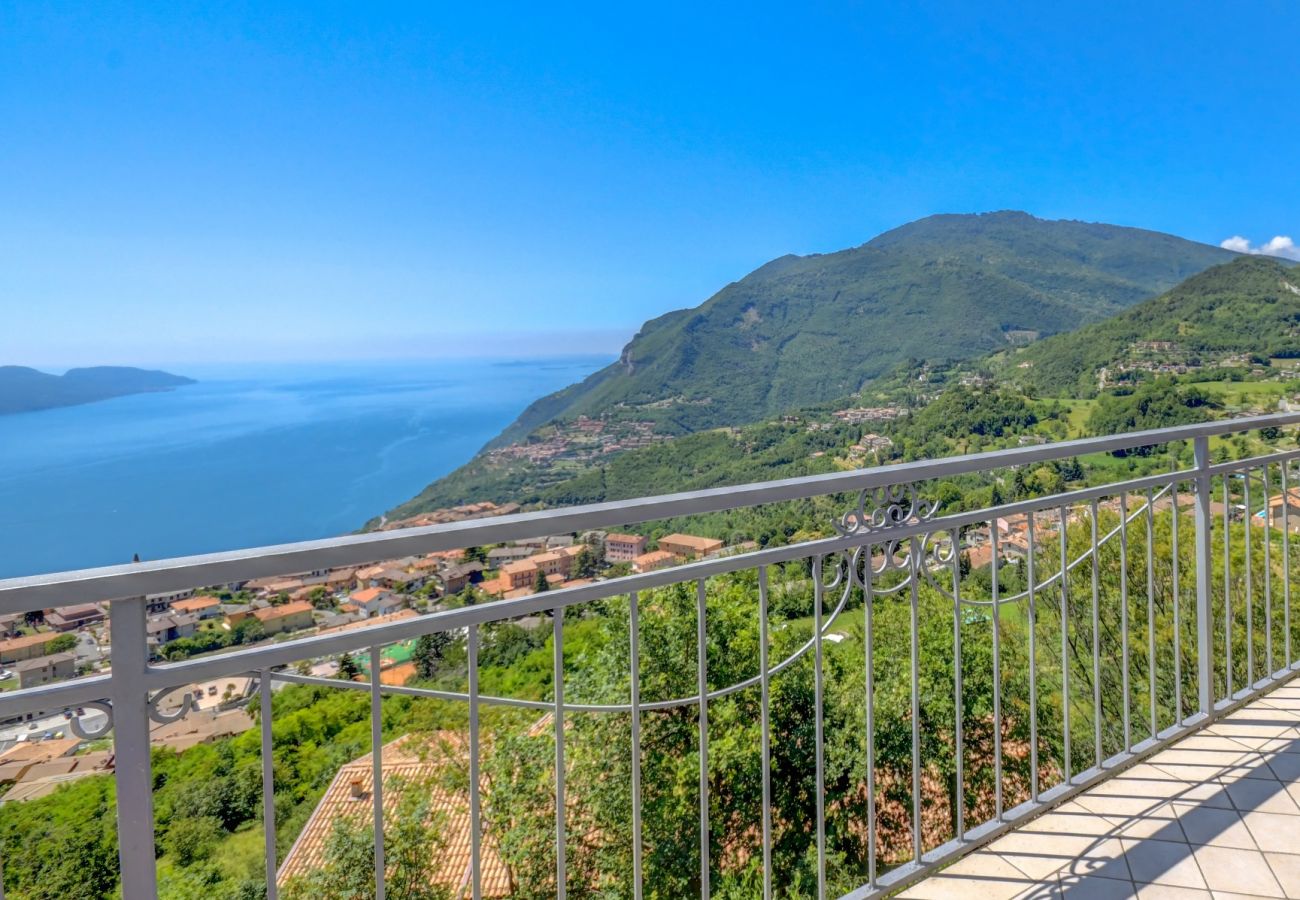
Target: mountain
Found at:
x=1172, y=359
x=27, y=390
x=801, y=329
x=801, y=332
x=1249, y=307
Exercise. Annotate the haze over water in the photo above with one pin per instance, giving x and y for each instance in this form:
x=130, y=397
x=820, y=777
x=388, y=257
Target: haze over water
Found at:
x=248, y=456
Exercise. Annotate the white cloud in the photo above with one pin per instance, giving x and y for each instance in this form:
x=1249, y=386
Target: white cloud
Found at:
x=1280, y=245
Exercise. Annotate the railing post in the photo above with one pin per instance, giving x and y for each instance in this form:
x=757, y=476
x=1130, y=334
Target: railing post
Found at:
x=1204, y=574
x=130, y=657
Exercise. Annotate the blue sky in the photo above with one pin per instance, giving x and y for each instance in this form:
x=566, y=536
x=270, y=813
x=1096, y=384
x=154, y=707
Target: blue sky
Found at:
x=208, y=182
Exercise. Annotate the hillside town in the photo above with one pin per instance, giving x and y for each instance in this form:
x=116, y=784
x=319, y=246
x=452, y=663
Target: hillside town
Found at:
x=39, y=751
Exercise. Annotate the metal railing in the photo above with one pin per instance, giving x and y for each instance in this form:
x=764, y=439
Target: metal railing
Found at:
x=1107, y=622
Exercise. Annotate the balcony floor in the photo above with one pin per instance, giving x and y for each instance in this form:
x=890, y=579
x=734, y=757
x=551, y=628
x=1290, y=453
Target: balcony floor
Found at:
x=1215, y=815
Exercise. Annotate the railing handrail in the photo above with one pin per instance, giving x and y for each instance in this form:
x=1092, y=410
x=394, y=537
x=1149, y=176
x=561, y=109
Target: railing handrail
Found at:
x=183, y=573
x=891, y=523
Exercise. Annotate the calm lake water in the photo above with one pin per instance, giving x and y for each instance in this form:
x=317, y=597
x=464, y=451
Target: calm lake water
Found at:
x=247, y=456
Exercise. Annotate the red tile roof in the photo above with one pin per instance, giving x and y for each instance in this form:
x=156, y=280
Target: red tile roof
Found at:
x=408, y=764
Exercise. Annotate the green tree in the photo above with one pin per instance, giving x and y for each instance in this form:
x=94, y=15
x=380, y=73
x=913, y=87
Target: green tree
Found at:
x=429, y=652
x=348, y=668
x=62, y=644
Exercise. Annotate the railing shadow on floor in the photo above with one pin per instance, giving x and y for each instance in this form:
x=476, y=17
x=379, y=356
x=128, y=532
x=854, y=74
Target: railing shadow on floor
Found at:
x=1216, y=806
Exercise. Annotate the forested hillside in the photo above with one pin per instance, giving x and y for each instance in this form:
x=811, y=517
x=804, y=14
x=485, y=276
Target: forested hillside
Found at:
x=1247, y=308
x=1205, y=348
x=802, y=329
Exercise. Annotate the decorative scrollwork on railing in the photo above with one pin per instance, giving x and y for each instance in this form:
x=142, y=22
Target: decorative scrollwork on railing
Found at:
x=161, y=717
x=881, y=508
x=834, y=568
x=90, y=734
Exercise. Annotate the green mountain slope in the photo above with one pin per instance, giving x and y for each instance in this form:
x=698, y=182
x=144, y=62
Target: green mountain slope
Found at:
x=1249, y=306
x=27, y=390
x=805, y=328
x=1207, y=330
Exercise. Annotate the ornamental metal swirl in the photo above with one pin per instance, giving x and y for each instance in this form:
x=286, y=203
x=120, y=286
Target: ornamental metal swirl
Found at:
x=162, y=718
x=885, y=507
x=100, y=729
x=88, y=733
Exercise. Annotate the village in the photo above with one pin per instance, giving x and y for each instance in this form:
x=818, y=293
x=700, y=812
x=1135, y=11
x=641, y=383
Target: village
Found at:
x=581, y=440
x=41, y=751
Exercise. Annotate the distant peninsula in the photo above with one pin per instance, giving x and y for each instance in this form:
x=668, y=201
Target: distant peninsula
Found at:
x=28, y=390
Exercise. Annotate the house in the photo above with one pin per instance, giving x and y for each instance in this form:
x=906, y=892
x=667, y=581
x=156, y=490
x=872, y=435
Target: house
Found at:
x=25, y=646
x=406, y=764
x=160, y=603
x=499, y=556
x=335, y=624
x=1283, y=509
x=398, y=579
x=456, y=578
x=44, y=669
x=496, y=587
x=206, y=607
x=10, y=624
x=235, y=613
x=980, y=556
x=689, y=546
x=338, y=579
x=307, y=592
x=332, y=621
x=376, y=601
x=172, y=627
x=520, y=574
x=655, y=559
x=293, y=616
x=70, y=618
x=557, y=562
x=621, y=548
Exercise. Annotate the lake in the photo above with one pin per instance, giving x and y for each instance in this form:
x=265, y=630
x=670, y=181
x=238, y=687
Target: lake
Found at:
x=248, y=456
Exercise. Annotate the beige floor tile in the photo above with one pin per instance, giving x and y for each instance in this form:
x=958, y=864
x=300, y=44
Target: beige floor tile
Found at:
x=1254, y=765
x=1125, y=808
x=1211, y=793
x=1273, y=833
x=1286, y=868
x=1169, y=892
x=1070, y=818
x=1095, y=887
x=1039, y=843
x=1099, y=866
x=1164, y=788
x=1103, y=856
x=1161, y=823
x=1180, y=754
x=1217, y=815
x=1286, y=766
x=984, y=864
x=951, y=887
x=1252, y=737
x=1230, y=869
x=1213, y=826
x=1204, y=740
x=1162, y=862
x=1257, y=795
x=1193, y=774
